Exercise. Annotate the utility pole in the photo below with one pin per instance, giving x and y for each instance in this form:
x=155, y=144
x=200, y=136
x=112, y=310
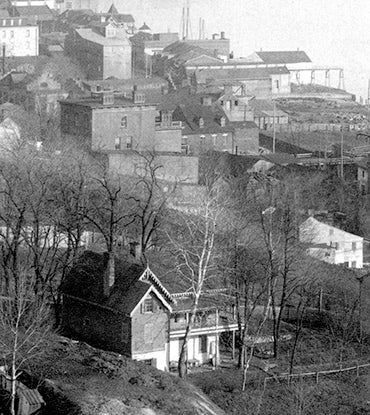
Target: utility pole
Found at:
x=341, y=154
x=273, y=129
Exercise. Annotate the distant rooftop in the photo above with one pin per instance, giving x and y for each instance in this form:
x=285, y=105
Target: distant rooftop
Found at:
x=240, y=73
x=95, y=103
x=93, y=36
x=283, y=57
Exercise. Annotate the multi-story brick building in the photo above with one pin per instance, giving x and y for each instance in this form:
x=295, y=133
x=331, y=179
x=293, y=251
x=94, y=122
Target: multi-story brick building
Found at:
x=122, y=128
x=18, y=37
x=103, y=50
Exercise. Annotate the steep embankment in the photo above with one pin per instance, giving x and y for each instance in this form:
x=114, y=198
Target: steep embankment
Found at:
x=85, y=380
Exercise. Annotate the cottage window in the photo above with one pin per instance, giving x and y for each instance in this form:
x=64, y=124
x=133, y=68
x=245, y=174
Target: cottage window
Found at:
x=353, y=264
x=203, y=344
x=117, y=143
x=179, y=318
x=202, y=139
x=129, y=142
x=346, y=264
x=148, y=306
x=124, y=121
x=353, y=246
x=214, y=136
x=277, y=84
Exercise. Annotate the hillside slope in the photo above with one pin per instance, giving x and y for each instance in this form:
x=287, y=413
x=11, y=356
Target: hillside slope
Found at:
x=83, y=380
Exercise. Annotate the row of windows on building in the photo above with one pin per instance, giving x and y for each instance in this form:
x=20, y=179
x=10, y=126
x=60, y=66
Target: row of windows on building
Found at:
x=338, y=245
x=76, y=120
x=11, y=33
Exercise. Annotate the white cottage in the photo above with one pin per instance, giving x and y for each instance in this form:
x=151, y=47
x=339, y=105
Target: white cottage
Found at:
x=330, y=244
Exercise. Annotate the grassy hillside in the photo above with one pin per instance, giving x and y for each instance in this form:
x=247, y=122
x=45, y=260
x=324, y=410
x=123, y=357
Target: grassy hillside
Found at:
x=84, y=380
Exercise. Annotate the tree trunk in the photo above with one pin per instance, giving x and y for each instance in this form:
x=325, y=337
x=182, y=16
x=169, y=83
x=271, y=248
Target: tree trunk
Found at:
x=182, y=364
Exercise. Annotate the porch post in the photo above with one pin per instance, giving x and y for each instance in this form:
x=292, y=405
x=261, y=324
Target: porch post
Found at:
x=217, y=351
x=233, y=349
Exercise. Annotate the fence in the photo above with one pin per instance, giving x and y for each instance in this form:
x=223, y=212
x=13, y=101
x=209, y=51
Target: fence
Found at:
x=310, y=127
x=316, y=375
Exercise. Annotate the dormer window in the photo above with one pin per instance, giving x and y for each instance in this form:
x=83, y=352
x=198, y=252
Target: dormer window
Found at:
x=222, y=121
x=201, y=122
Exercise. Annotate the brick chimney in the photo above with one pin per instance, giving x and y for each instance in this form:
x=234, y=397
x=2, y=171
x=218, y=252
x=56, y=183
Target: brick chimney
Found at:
x=107, y=98
x=138, y=97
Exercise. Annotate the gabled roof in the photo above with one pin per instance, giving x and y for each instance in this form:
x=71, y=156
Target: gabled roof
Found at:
x=266, y=142
x=283, y=57
x=191, y=113
x=181, y=47
x=203, y=59
x=311, y=226
x=93, y=36
x=112, y=9
x=229, y=74
x=132, y=282
x=39, y=12
x=144, y=27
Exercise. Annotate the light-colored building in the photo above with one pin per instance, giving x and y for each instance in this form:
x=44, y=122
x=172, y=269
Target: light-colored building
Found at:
x=18, y=37
x=103, y=50
x=330, y=244
x=258, y=82
x=22, y=3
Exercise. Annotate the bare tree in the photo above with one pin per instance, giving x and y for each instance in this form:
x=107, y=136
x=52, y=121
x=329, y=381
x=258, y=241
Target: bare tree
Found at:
x=24, y=327
x=111, y=209
x=193, y=237
x=152, y=197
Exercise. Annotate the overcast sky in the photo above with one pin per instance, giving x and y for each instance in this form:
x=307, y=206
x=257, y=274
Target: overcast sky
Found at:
x=334, y=32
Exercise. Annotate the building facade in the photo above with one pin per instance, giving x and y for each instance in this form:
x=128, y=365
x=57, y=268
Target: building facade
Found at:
x=137, y=315
x=331, y=244
x=103, y=51
x=123, y=128
x=18, y=37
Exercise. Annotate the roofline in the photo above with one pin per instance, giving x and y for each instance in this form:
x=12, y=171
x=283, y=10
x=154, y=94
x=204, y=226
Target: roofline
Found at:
x=91, y=303
x=157, y=293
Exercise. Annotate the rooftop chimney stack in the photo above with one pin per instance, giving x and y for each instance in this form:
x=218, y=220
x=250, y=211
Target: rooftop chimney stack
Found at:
x=107, y=98
x=223, y=35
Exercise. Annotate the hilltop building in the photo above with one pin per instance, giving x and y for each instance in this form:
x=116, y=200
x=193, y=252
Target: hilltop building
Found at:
x=142, y=312
x=103, y=50
x=19, y=37
x=122, y=128
x=331, y=244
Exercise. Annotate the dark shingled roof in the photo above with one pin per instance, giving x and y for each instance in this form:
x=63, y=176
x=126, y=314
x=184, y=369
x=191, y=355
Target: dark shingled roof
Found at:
x=85, y=281
x=239, y=73
x=39, y=12
x=284, y=57
x=266, y=142
x=190, y=114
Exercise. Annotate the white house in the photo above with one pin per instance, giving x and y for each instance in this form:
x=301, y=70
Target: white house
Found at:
x=18, y=37
x=331, y=244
